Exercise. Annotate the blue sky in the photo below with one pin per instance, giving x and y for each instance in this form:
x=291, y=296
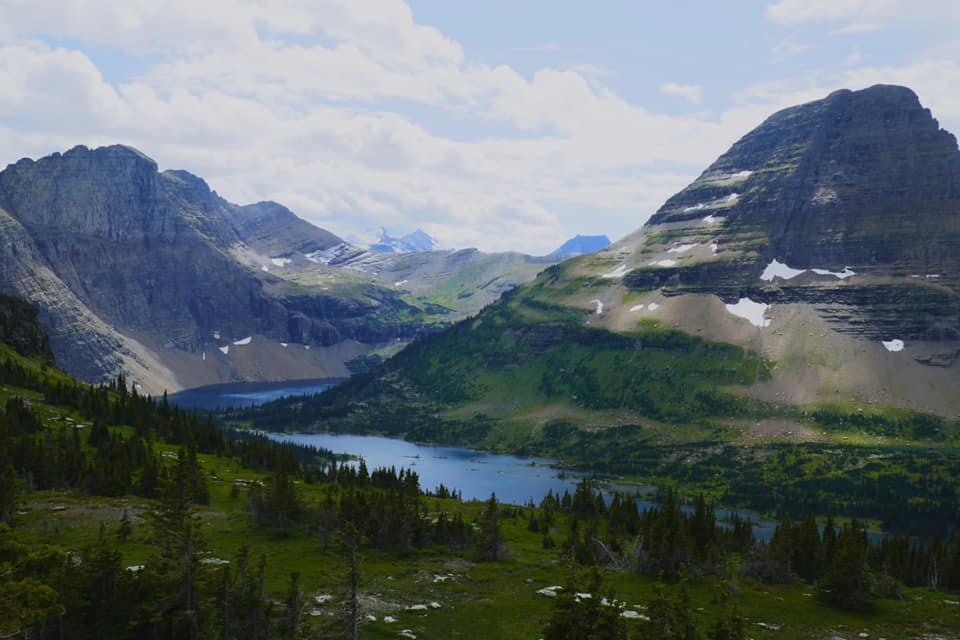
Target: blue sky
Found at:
x=505, y=125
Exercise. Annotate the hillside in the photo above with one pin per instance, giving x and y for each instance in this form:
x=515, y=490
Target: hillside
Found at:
x=122, y=517
x=801, y=290
x=153, y=275
x=826, y=241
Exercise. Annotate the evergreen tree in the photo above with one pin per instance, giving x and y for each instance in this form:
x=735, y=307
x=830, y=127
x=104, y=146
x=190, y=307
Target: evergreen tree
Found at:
x=8, y=494
x=176, y=534
x=846, y=583
x=730, y=624
x=580, y=613
x=491, y=538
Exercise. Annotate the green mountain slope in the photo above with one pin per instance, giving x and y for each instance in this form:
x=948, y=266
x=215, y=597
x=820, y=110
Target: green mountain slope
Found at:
x=804, y=286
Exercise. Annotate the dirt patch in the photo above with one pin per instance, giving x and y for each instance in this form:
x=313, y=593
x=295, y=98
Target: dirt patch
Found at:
x=777, y=429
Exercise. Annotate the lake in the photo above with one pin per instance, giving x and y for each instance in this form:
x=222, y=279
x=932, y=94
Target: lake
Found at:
x=474, y=474
x=246, y=394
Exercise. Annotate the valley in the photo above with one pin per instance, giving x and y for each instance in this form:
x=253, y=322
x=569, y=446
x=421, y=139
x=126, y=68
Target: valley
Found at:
x=779, y=340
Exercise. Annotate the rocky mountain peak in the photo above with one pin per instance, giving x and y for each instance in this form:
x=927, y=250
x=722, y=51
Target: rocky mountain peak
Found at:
x=835, y=182
x=110, y=192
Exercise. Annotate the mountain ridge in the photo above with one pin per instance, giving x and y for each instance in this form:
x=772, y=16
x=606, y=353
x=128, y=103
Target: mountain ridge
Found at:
x=154, y=275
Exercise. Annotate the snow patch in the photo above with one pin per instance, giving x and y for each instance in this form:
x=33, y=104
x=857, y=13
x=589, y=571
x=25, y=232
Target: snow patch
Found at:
x=726, y=179
x=225, y=349
x=751, y=311
x=824, y=195
x=307, y=347
x=550, y=592
x=663, y=263
x=281, y=262
x=619, y=272
x=732, y=199
x=636, y=307
x=214, y=561
x=325, y=256
x=846, y=273
x=933, y=275
x=653, y=306
x=389, y=619
x=204, y=356
x=696, y=207
x=713, y=247
x=711, y=219
x=243, y=341
x=417, y=607
x=264, y=267
x=777, y=269
x=400, y=283
x=599, y=306
x=893, y=345
x=633, y=615
x=682, y=248
x=284, y=344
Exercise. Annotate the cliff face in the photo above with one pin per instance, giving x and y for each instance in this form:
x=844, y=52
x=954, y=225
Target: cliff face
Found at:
x=132, y=268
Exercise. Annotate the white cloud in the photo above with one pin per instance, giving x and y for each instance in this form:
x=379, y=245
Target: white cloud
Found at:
x=857, y=27
x=692, y=93
x=787, y=48
x=854, y=58
x=331, y=108
x=792, y=12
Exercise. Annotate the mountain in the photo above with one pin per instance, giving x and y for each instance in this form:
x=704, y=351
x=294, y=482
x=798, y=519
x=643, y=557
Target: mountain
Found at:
x=579, y=245
x=815, y=264
x=153, y=275
x=382, y=242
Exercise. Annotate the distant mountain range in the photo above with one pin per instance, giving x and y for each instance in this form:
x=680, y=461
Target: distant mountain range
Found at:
x=382, y=242
x=153, y=275
x=580, y=245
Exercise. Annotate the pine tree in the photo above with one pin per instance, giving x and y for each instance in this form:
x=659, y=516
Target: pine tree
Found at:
x=8, y=494
x=294, y=607
x=846, y=583
x=177, y=535
x=491, y=538
x=125, y=528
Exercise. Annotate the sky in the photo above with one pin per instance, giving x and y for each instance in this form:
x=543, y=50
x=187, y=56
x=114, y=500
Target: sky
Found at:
x=496, y=124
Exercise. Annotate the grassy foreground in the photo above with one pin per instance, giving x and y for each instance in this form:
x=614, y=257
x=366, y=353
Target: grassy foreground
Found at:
x=461, y=597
